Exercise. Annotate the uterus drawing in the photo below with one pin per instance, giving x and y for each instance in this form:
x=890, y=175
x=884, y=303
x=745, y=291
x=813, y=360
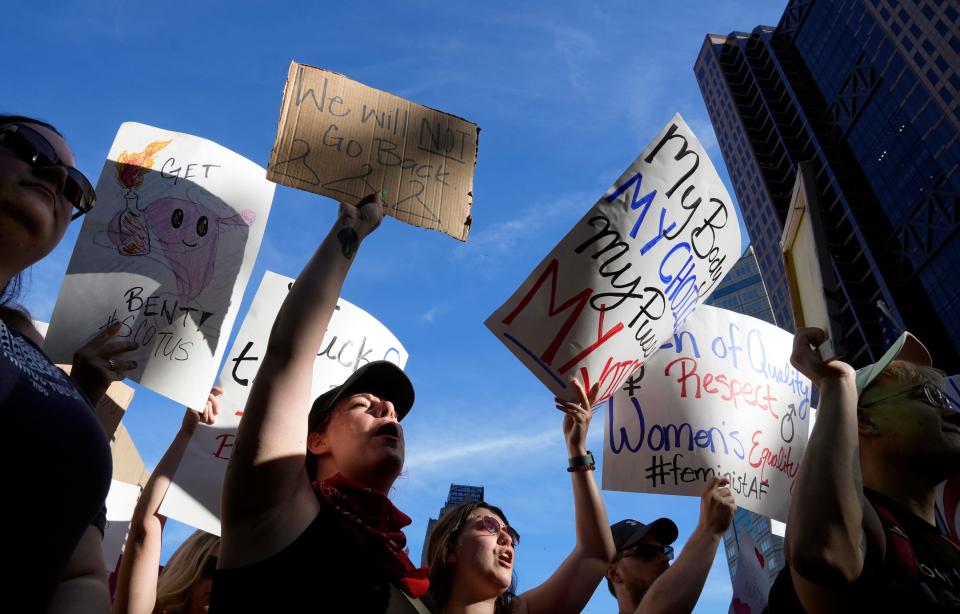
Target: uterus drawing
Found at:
x=187, y=233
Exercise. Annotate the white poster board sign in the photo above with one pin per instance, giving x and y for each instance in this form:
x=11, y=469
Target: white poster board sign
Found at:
x=167, y=251
x=751, y=585
x=720, y=398
x=353, y=339
x=121, y=500
x=629, y=273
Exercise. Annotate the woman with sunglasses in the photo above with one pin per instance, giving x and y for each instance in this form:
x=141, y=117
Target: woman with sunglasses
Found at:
x=56, y=460
x=472, y=547
x=184, y=585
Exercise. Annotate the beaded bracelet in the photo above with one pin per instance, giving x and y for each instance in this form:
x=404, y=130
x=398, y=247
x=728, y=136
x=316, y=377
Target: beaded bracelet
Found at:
x=582, y=463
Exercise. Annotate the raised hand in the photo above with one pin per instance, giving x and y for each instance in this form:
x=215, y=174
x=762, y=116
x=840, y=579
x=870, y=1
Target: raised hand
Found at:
x=576, y=422
x=356, y=222
x=717, y=506
x=211, y=409
x=807, y=360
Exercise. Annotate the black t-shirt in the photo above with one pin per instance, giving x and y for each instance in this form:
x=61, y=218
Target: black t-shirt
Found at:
x=56, y=470
x=326, y=569
x=883, y=588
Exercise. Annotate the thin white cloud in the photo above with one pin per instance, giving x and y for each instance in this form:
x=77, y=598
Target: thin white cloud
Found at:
x=442, y=455
x=431, y=314
x=502, y=237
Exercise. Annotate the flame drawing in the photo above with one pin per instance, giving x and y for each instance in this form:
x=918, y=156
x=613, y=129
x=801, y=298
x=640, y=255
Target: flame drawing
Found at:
x=131, y=167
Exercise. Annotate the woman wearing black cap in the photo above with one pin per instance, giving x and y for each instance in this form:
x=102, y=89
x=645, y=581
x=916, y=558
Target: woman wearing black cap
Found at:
x=307, y=525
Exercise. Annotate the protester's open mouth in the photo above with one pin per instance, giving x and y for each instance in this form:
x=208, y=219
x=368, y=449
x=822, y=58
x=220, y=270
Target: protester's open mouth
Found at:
x=389, y=429
x=505, y=559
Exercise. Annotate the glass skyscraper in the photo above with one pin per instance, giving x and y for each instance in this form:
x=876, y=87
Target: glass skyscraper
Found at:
x=869, y=92
x=459, y=493
x=742, y=291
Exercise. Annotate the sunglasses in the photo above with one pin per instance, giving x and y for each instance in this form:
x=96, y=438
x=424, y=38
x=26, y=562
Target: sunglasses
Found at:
x=932, y=395
x=34, y=149
x=648, y=552
x=492, y=526
x=209, y=567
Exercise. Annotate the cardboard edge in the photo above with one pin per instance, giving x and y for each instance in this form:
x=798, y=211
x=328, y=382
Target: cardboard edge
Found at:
x=809, y=205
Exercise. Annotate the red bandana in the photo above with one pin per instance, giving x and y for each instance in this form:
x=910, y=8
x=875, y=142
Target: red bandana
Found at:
x=372, y=518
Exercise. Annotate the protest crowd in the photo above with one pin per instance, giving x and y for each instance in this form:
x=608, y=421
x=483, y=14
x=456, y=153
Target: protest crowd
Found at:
x=305, y=522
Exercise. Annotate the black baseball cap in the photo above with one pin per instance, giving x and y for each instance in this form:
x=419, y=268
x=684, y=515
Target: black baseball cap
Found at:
x=381, y=377
x=629, y=533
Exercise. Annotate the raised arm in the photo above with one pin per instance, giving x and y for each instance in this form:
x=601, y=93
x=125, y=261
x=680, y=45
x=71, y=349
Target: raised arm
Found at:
x=137, y=581
x=830, y=547
x=267, y=500
x=573, y=583
x=678, y=589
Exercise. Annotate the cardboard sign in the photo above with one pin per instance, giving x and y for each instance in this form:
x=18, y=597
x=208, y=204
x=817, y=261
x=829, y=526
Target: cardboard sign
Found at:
x=345, y=140
x=814, y=289
x=720, y=398
x=167, y=252
x=353, y=339
x=629, y=273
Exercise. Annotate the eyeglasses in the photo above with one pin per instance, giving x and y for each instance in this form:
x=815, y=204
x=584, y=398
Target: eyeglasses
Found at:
x=209, y=567
x=648, y=552
x=493, y=527
x=933, y=397
x=33, y=148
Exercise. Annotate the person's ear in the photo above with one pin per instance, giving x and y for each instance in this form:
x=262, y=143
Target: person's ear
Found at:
x=866, y=425
x=613, y=574
x=318, y=443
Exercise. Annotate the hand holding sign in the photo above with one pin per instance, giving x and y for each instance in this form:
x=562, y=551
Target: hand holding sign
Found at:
x=717, y=506
x=101, y=361
x=208, y=415
x=576, y=422
x=807, y=359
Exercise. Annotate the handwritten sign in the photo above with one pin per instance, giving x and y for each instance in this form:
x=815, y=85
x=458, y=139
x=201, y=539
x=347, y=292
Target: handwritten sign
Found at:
x=751, y=584
x=353, y=339
x=719, y=398
x=166, y=252
x=345, y=140
x=629, y=273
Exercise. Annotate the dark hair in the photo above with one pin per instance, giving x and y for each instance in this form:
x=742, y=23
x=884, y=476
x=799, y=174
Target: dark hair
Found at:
x=311, y=461
x=23, y=119
x=441, y=542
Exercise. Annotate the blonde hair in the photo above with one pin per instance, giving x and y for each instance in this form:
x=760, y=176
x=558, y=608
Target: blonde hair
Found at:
x=912, y=374
x=182, y=570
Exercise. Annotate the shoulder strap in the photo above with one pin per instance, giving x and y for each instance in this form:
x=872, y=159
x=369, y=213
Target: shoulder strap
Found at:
x=903, y=561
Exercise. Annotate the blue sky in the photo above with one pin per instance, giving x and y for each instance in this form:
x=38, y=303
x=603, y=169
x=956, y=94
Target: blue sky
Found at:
x=566, y=94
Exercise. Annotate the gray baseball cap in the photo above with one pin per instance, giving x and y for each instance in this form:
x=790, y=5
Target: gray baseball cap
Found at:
x=907, y=348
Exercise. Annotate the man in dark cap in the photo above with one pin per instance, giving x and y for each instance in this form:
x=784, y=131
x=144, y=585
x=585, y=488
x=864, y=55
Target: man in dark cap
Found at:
x=640, y=575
